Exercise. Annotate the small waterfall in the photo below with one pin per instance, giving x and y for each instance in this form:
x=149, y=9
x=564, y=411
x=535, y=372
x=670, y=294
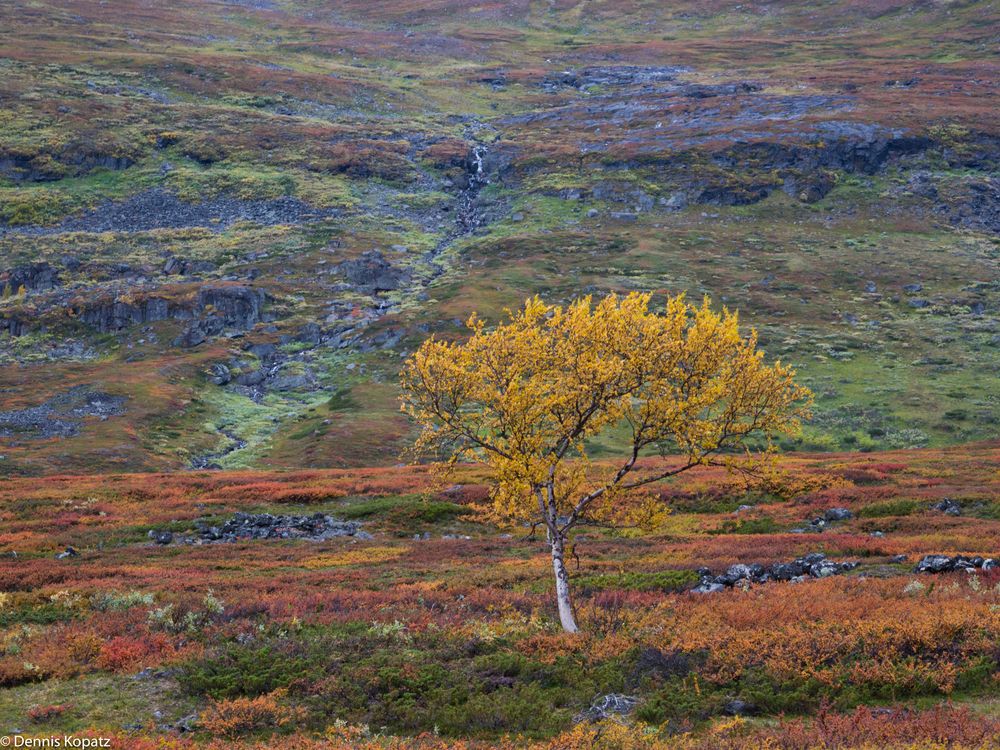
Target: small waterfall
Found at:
x=478, y=177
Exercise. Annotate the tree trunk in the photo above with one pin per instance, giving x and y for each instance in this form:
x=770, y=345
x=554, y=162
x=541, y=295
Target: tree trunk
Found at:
x=562, y=586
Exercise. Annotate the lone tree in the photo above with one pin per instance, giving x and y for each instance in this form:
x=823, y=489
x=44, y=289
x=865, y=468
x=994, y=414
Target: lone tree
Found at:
x=526, y=396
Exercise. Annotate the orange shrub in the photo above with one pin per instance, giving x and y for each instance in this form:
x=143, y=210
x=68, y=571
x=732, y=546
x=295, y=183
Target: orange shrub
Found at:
x=231, y=718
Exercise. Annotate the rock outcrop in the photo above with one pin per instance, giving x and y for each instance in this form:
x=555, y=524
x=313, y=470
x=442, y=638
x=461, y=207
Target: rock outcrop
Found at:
x=34, y=277
x=213, y=310
x=372, y=273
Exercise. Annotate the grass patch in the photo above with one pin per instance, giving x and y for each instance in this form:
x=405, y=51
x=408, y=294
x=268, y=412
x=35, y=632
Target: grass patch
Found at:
x=901, y=507
x=664, y=580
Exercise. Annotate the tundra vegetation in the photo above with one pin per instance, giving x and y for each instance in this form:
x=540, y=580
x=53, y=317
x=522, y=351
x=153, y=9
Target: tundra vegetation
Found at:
x=440, y=631
x=227, y=227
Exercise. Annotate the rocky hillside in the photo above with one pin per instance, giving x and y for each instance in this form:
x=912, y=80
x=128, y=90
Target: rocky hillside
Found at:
x=223, y=224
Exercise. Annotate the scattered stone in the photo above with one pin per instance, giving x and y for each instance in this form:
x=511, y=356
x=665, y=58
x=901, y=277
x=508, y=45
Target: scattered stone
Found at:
x=61, y=416
x=948, y=506
x=831, y=515
x=186, y=723
x=154, y=674
x=708, y=587
x=815, y=565
x=315, y=527
x=608, y=706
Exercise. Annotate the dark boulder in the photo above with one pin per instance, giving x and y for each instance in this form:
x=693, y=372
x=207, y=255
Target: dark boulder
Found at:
x=372, y=273
x=935, y=564
x=608, y=706
x=192, y=336
x=948, y=506
x=737, y=707
x=219, y=374
x=837, y=514
x=161, y=537
x=787, y=571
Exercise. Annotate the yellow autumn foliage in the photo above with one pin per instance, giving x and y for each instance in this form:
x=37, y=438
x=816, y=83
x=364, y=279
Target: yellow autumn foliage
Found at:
x=528, y=394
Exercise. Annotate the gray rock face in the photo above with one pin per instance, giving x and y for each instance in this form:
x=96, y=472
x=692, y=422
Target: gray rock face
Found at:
x=214, y=309
x=72, y=159
x=824, y=569
x=373, y=273
x=236, y=306
x=708, y=587
x=809, y=187
x=977, y=205
x=35, y=277
x=161, y=209
x=13, y=326
x=107, y=317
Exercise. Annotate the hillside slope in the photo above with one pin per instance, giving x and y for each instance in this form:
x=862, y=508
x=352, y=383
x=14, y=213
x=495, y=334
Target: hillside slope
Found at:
x=223, y=223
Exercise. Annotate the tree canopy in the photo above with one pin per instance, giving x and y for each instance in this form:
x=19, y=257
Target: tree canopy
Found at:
x=527, y=395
